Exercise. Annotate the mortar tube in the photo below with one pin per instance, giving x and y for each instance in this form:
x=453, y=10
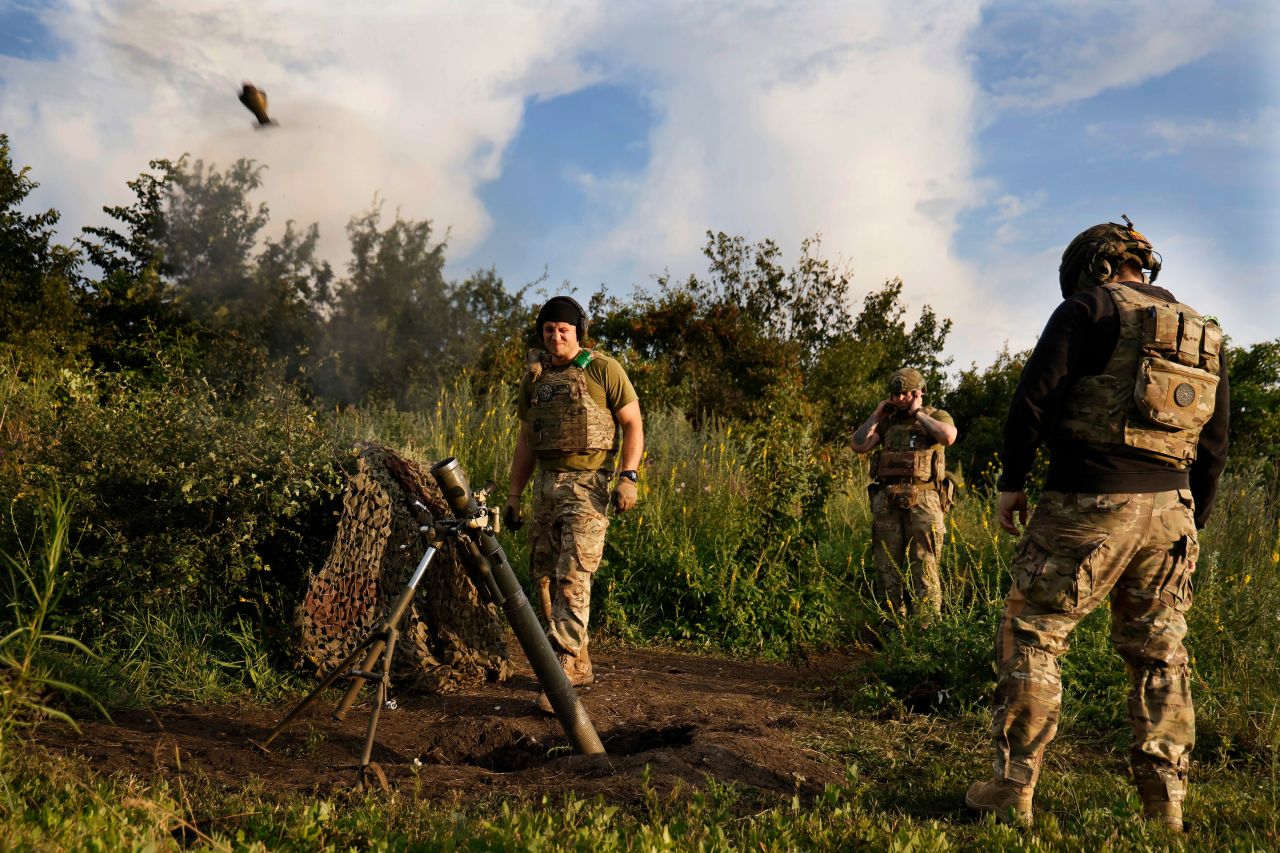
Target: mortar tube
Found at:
x=524, y=622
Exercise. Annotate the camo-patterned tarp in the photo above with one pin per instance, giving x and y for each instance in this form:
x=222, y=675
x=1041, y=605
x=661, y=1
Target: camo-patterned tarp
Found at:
x=448, y=638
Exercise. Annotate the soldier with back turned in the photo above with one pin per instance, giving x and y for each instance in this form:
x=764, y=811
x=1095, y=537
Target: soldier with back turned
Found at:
x=1128, y=388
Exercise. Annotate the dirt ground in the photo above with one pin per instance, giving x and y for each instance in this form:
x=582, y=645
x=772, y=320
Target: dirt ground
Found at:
x=684, y=717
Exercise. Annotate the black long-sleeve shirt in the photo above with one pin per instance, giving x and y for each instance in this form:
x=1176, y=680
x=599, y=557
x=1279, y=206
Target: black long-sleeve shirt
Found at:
x=1078, y=341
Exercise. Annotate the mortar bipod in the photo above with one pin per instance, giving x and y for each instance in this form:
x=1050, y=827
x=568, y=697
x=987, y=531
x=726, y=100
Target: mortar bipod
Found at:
x=379, y=643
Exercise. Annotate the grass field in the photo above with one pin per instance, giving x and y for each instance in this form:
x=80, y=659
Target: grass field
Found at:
x=745, y=543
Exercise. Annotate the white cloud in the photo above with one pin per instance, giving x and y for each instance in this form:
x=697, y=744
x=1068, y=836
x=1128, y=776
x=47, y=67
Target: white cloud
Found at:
x=412, y=103
x=773, y=120
x=858, y=121
x=1057, y=53
x=1260, y=130
x=854, y=121
x=1010, y=209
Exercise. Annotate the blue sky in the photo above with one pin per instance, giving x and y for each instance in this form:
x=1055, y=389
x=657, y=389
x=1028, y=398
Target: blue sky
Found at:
x=958, y=144
x=545, y=199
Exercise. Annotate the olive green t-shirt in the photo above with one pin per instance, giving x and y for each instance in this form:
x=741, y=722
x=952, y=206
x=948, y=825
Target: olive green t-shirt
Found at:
x=610, y=387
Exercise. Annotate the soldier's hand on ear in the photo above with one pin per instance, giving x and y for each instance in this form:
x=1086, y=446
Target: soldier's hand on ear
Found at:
x=511, y=514
x=624, y=494
x=885, y=409
x=917, y=401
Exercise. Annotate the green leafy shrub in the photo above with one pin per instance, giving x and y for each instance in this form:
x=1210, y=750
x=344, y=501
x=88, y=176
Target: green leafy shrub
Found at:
x=946, y=666
x=187, y=490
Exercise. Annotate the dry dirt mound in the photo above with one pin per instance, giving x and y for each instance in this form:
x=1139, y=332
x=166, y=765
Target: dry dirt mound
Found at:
x=683, y=716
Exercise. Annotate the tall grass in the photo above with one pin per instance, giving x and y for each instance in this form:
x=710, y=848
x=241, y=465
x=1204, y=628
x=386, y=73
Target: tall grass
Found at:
x=722, y=550
x=1234, y=623
x=719, y=552
x=758, y=541
x=189, y=654
x=1233, y=639
x=30, y=680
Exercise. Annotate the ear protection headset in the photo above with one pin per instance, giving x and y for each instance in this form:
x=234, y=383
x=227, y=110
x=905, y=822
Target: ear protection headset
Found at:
x=1095, y=255
x=580, y=323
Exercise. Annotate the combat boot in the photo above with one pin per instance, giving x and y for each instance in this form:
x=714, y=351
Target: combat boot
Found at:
x=1162, y=801
x=577, y=668
x=1009, y=801
x=1164, y=813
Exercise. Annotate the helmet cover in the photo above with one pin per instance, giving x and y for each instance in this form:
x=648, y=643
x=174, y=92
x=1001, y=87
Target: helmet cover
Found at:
x=1096, y=253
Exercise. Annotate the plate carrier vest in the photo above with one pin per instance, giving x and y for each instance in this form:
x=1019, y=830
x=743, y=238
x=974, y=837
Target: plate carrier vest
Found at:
x=1158, y=390
x=563, y=417
x=907, y=454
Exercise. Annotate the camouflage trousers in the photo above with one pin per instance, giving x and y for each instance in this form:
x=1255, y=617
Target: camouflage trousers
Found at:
x=566, y=541
x=906, y=543
x=1140, y=550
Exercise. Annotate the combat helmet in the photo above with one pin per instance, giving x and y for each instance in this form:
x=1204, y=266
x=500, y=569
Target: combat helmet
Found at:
x=1093, y=257
x=905, y=379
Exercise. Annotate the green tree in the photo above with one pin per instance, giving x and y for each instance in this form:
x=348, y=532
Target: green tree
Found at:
x=132, y=305
x=185, y=257
x=491, y=329
x=849, y=375
x=806, y=305
x=736, y=342
x=1254, y=373
x=399, y=330
x=211, y=232
x=753, y=339
x=39, y=288
x=979, y=403
x=388, y=312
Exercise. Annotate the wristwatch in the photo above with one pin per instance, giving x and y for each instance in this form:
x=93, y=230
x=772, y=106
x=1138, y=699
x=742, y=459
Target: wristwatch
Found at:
x=630, y=474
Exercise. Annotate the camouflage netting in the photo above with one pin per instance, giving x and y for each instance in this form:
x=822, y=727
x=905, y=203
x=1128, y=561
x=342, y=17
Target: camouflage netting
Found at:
x=448, y=638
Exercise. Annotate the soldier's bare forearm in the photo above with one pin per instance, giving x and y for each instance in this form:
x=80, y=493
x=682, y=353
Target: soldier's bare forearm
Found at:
x=632, y=448
x=632, y=426
x=522, y=464
x=863, y=436
x=940, y=431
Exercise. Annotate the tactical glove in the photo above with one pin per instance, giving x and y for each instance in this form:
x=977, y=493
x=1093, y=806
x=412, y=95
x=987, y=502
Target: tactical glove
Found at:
x=624, y=494
x=511, y=519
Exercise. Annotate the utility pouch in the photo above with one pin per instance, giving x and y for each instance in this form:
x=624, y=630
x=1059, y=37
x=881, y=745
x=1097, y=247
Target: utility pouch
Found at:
x=1174, y=396
x=896, y=465
x=1160, y=329
x=905, y=465
x=901, y=495
x=1211, y=347
x=948, y=491
x=1189, y=341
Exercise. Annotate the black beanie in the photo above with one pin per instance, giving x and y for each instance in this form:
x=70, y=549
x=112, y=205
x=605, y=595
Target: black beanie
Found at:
x=560, y=309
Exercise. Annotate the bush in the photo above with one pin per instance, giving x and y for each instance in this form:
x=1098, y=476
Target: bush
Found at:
x=186, y=491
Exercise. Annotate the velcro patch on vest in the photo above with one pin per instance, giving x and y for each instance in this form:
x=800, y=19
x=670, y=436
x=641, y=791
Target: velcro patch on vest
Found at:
x=548, y=392
x=1175, y=396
